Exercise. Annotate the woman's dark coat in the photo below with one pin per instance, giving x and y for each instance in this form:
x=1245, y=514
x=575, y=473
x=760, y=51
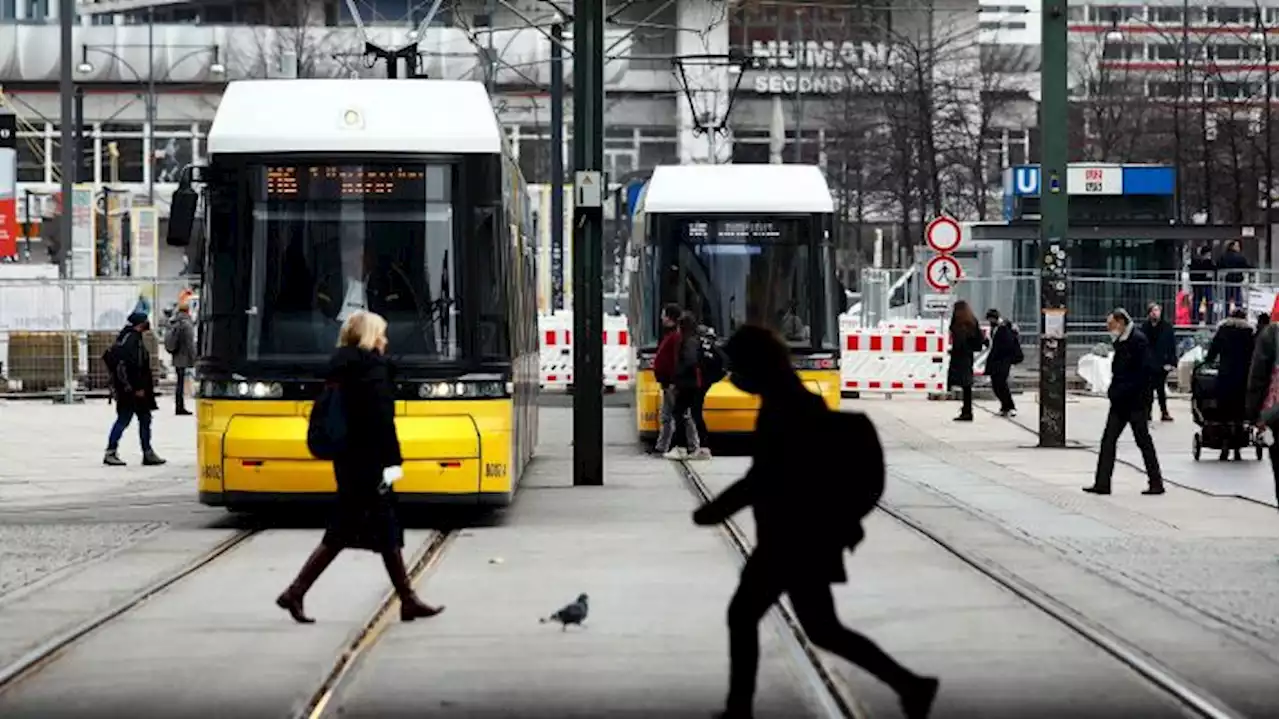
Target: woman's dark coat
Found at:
x=688, y=360
x=365, y=514
x=797, y=526
x=1232, y=348
x=966, y=340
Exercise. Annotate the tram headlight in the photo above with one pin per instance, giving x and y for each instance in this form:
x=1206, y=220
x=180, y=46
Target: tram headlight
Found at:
x=242, y=389
x=484, y=389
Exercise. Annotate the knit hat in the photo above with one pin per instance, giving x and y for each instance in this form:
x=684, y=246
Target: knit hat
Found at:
x=137, y=318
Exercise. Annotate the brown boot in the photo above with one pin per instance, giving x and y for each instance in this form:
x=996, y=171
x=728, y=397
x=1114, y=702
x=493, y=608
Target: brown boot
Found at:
x=291, y=599
x=411, y=607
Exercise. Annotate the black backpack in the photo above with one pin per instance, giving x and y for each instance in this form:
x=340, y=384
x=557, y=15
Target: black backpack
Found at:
x=1018, y=357
x=327, y=426
x=860, y=490
x=711, y=360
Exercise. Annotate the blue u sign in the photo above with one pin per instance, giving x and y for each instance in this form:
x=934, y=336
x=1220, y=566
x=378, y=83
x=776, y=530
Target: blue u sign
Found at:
x=1026, y=180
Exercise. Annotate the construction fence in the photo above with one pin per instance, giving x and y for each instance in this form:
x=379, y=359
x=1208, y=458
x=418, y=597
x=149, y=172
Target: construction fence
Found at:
x=53, y=331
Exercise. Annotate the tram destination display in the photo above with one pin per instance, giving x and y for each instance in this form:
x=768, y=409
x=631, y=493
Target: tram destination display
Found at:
x=337, y=182
x=737, y=231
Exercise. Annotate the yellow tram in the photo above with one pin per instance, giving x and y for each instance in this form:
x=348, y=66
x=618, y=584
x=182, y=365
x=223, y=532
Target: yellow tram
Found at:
x=324, y=197
x=736, y=244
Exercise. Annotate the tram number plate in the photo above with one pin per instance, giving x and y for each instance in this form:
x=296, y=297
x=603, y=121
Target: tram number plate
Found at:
x=212, y=471
x=495, y=469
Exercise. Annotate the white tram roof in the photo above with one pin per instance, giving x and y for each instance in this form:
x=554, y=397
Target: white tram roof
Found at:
x=346, y=115
x=737, y=189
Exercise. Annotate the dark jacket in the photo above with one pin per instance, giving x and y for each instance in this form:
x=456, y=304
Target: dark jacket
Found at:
x=1129, y=378
x=794, y=517
x=1232, y=349
x=1162, y=350
x=1261, y=369
x=183, y=343
x=368, y=401
x=665, y=362
x=1231, y=266
x=688, y=361
x=1004, y=349
x=965, y=342
x=1202, y=269
x=133, y=373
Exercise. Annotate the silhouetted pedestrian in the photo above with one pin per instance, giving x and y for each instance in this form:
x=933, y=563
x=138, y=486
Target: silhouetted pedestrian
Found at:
x=365, y=468
x=966, y=340
x=1006, y=351
x=1130, y=385
x=800, y=531
x=1162, y=358
x=1232, y=349
x=133, y=387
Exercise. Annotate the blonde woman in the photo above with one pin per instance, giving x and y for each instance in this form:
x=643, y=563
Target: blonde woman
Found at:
x=364, y=516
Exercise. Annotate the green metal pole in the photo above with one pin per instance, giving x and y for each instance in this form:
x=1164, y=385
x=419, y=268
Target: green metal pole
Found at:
x=588, y=243
x=1053, y=224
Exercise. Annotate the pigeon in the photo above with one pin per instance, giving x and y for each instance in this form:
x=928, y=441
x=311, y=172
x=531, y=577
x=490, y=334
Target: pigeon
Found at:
x=575, y=613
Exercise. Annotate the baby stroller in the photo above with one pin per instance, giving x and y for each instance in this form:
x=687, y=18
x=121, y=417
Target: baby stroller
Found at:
x=1215, y=432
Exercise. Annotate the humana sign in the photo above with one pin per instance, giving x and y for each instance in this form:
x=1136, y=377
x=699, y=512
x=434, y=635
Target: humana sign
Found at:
x=813, y=56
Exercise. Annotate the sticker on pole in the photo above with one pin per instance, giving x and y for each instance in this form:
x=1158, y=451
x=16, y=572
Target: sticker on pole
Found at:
x=943, y=235
x=942, y=272
x=588, y=188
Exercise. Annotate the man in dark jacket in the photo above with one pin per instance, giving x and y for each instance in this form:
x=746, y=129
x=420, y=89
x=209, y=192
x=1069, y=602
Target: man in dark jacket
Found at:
x=134, y=389
x=1162, y=358
x=665, y=367
x=1232, y=349
x=800, y=530
x=180, y=341
x=1000, y=360
x=1130, y=385
x=1260, y=404
x=1231, y=268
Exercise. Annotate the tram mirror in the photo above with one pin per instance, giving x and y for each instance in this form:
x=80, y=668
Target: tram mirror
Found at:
x=182, y=215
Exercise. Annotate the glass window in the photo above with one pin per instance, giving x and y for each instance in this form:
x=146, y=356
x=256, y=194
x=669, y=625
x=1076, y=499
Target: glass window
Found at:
x=331, y=240
x=172, y=152
x=535, y=159
x=30, y=157
x=655, y=151
x=732, y=272
x=129, y=154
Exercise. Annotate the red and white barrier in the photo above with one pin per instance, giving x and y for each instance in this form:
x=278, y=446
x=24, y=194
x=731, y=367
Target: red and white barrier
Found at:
x=894, y=361
x=556, y=355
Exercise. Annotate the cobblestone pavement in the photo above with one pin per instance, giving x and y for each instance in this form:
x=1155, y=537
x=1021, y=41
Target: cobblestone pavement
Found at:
x=31, y=552
x=1212, y=557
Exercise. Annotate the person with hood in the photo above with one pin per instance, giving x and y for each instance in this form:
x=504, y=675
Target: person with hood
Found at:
x=180, y=342
x=1232, y=348
x=364, y=515
x=1261, y=404
x=688, y=387
x=966, y=340
x=134, y=389
x=1004, y=354
x=666, y=367
x=1162, y=358
x=1232, y=266
x=1130, y=386
x=800, y=528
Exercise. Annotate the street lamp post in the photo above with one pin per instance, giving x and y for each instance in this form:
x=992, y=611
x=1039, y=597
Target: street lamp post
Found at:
x=1269, y=127
x=151, y=106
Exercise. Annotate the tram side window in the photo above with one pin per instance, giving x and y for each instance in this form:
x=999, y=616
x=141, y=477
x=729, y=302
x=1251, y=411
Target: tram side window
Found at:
x=493, y=267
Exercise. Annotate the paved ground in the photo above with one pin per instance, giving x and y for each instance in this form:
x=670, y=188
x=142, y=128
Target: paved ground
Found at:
x=1190, y=578
x=1087, y=415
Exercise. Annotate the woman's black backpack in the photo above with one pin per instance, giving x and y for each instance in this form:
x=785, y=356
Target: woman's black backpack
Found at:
x=712, y=363
x=858, y=469
x=327, y=427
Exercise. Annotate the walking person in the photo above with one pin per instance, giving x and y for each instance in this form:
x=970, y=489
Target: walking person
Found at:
x=364, y=516
x=1130, y=385
x=687, y=385
x=1232, y=348
x=1006, y=351
x=712, y=366
x=966, y=340
x=180, y=341
x=133, y=388
x=1232, y=267
x=665, y=367
x=800, y=529
x=1261, y=404
x=1202, y=274
x=1162, y=358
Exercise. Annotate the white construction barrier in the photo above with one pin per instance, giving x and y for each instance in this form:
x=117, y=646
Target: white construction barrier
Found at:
x=556, y=355
x=894, y=361
x=619, y=355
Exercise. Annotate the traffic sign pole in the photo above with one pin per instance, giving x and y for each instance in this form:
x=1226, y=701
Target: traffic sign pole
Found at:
x=1053, y=224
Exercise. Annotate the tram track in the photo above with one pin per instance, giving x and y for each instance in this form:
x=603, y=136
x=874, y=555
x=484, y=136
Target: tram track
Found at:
x=424, y=560
x=837, y=698
x=30, y=663
x=1192, y=698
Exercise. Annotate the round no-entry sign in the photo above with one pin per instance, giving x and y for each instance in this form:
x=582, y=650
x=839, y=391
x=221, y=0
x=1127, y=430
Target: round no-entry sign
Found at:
x=942, y=235
x=942, y=272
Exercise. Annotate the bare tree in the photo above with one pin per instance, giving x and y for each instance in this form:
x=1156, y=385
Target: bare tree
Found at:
x=290, y=39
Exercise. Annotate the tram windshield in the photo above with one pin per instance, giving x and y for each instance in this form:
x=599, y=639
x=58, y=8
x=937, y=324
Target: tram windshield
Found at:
x=751, y=270
x=329, y=240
